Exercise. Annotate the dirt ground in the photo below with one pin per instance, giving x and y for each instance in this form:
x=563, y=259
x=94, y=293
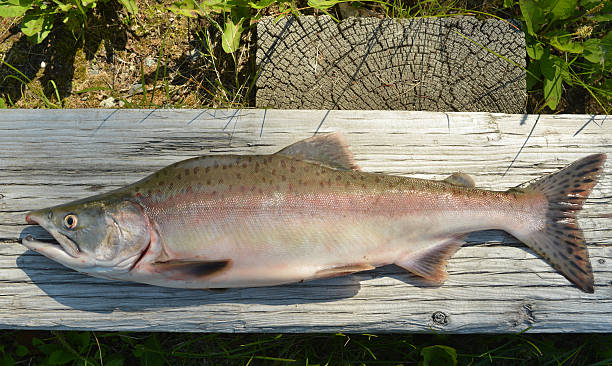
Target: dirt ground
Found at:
x=177, y=59
x=110, y=62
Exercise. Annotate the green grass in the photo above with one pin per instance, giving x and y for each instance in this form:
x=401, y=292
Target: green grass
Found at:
x=100, y=348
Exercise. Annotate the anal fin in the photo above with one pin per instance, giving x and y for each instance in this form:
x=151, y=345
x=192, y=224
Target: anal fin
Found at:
x=430, y=263
x=343, y=270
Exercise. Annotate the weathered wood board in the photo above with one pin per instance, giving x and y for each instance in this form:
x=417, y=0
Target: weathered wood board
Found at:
x=433, y=64
x=495, y=284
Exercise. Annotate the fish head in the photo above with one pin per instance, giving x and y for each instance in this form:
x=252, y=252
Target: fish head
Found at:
x=94, y=236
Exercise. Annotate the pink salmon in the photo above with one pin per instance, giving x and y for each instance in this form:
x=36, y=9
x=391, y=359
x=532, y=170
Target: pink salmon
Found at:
x=302, y=213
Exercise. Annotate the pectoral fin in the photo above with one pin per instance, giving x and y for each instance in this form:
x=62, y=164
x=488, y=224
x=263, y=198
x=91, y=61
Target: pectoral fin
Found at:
x=431, y=262
x=343, y=270
x=187, y=270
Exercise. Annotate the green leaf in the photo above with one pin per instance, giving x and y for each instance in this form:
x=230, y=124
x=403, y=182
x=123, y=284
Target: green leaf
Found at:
x=602, y=17
x=88, y=4
x=439, y=356
x=21, y=350
x=146, y=352
x=191, y=8
x=37, y=26
x=606, y=43
x=261, y=4
x=60, y=357
x=14, y=8
x=547, y=65
x=222, y=5
x=32, y=24
x=535, y=51
x=562, y=41
x=508, y=3
x=80, y=340
x=323, y=4
x=186, y=7
x=598, y=51
x=588, y=4
x=6, y=360
x=114, y=362
x=563, y=9
x=230, y=40
x=240, y=13
x=3, y=106
x=607, y=93
x=553, y=88
x=45, y=348
x=130, y=6
x=534, y=70
x=74, y=20
x=565, y=73
x=593, y=51
x=533, y=14
x=63, y=7
x=138, y=350
x=552, y=66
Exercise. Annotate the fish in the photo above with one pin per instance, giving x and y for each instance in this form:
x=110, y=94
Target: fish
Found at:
x=303, y=213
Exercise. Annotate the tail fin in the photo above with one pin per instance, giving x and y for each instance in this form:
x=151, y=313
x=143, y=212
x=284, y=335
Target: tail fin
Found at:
x=561, y=241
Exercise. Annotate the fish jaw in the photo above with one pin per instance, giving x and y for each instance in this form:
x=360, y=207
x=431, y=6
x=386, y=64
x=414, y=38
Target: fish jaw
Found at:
x=81, y=262
x=57, y=253
x=68, y=246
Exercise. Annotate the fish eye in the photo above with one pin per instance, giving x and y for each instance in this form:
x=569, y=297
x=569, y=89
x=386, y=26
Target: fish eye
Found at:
x=70, y=221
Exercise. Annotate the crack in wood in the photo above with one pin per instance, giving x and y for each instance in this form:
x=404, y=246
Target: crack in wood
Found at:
x=366, y=63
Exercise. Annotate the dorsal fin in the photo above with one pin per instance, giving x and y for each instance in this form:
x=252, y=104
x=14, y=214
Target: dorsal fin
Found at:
x=461, y=179
x=329, y=149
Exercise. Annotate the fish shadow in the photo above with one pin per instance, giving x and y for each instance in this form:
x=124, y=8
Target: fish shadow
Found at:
x=82, y=292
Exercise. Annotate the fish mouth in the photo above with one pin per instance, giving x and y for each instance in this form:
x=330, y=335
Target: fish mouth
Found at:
x=67, y=245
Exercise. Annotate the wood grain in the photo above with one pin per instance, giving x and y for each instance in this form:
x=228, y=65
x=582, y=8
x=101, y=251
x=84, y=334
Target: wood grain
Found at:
x=432, y=64
x=495, y=283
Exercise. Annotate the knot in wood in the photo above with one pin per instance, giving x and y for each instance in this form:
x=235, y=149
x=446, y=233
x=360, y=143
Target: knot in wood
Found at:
x=440, y=318
x=528, y=313
x=600, y=260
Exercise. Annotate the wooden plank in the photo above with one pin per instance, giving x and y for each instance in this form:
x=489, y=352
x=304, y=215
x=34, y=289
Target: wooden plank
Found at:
x=495, y=283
